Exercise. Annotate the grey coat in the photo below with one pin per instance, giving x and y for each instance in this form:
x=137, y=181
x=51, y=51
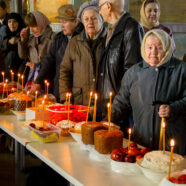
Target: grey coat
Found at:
x=143, y=90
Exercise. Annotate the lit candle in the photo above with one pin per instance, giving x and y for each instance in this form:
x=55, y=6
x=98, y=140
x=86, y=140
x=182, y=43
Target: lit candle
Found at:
x=95, y=103
x=22, y=77
x=27, y=98
x=47, y=88
x=130, y=131
x=109, y=117
x=110, y=99
x=163, y=136
x=172, y=143
x=6, y=86
x=3, y=74
x=161, y=133
x=36, y=98
x=18, y=81
x=66, y=100
x=3, y=90
x=43, y=112
x=69, y=95
x=12, y=77
x=91, y=93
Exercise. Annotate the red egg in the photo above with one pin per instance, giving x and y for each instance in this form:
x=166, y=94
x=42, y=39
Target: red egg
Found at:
x=133, y=151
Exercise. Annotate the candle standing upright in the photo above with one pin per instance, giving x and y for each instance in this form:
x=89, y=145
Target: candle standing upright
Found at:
x=91, y=93
x=95, y=105
x=18, y=81
x=3, y=74
x=36, y=98
x=22, y=77
x=109, y=116
x=163, y=125
x=130, y=131
x=172, y=143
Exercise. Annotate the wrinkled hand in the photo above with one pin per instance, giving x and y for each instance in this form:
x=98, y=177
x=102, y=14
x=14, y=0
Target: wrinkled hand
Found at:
x=34, y=88
x=13, y=40
x=164, y=111
x=24, y=34
x=31, y=65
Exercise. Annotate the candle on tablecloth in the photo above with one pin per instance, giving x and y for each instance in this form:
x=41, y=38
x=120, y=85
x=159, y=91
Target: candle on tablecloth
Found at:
x=130, y=131
x=172, y=143
x=18, y=81
x=91, y=93
x=36, y=92
x=109, y=116
x=95, y=104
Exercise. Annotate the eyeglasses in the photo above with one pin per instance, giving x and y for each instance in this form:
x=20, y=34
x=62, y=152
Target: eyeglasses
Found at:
x=99, y=7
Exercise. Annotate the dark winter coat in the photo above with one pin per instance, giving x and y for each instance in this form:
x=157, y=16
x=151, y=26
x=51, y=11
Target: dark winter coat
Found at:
x=122, y=51
x=51, y=64
x=144, y=88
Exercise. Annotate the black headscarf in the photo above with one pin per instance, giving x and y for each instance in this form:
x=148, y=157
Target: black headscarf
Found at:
x=20, y=21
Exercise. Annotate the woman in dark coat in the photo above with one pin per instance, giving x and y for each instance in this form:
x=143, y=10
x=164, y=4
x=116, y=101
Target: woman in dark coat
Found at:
x=9, y=46
x=155, y=89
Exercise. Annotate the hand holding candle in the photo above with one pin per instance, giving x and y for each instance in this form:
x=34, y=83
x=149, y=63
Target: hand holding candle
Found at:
x=130, y=131
x=172, y=143
x=91, y=93
x=95, y=103
x=163, y=125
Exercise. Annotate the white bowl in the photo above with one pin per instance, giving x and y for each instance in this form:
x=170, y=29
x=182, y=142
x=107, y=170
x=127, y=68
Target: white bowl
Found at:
x=155, y=176
x=76, y=137
x=166, y=182
x=125, y=168
x=20, y=115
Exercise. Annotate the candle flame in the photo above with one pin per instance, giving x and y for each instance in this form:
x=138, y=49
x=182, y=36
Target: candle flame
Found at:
x=130, y=130
x=172, y=143
x=43, y=102
x=67, y=94
x=45, y=96
x=48, y=84
x=46, y=81
x=22, y=77
x=28, y=92
x=163, y=124
x=4, y=85
x=6, y=80
x=91, y=93
x=108, y=105
x=11, y=71
x=36, y=92
x=110, y=94
x=96, y=97
x=3, y=73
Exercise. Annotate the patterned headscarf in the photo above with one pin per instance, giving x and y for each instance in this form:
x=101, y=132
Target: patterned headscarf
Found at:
x=143, y=19
x=41, y=20
x=166, y=42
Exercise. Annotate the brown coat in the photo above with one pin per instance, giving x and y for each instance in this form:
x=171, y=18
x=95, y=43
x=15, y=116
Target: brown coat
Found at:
x=29, y=48
x=78, y=68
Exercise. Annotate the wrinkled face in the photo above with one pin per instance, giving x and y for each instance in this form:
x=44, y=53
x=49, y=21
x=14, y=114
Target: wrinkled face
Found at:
x=68, y=26
x=13, y=25
x=103, y=10
x=35, y=30
x=2, y=13
x=152, y=12
x=153, y=50
x=91, y=22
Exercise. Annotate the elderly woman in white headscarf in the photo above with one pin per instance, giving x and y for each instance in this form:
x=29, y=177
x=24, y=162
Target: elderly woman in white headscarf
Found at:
x=35, y=46
x=78, y=71
x=152, y=90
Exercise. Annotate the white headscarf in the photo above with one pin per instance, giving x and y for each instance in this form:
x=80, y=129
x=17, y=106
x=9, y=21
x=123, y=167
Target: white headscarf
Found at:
x=42, y=21
x=143, y=19
x=166, y=42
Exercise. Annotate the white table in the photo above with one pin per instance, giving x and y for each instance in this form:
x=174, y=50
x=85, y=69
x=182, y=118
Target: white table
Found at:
x=74, y=164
